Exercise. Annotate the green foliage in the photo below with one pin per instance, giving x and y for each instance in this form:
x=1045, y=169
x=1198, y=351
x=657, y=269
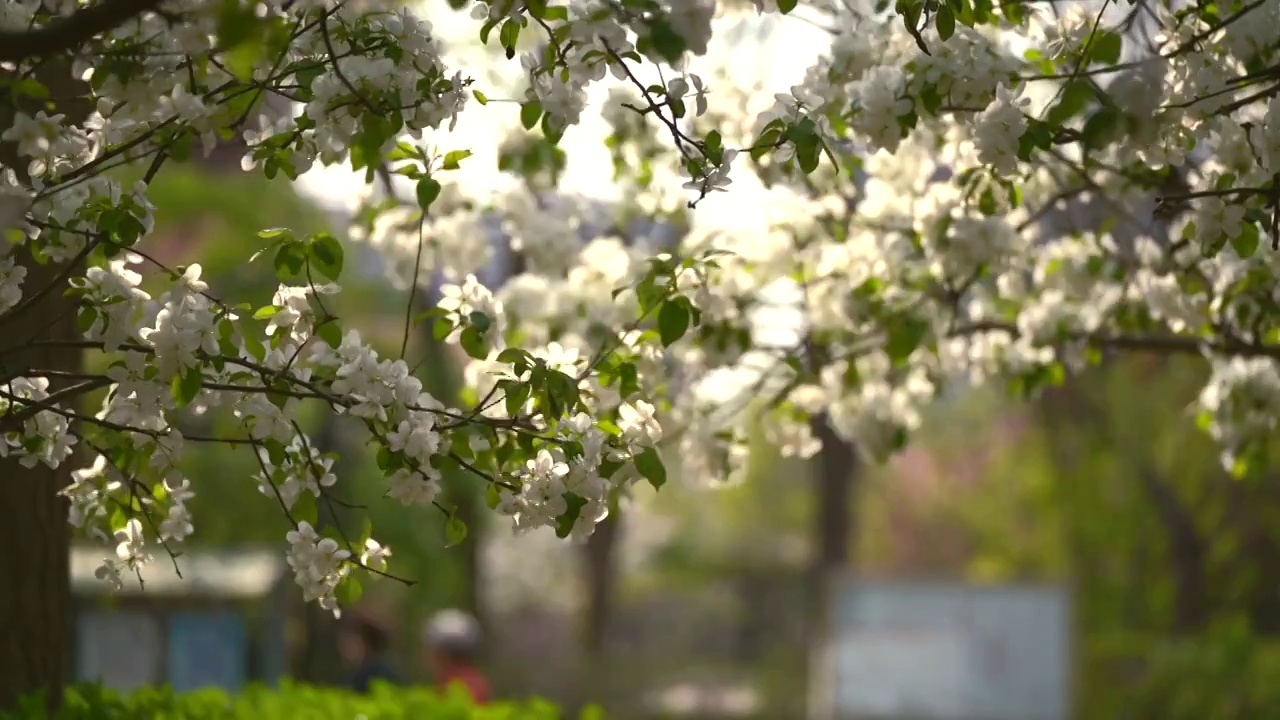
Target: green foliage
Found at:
x=288, y=702
x=1224, y=674
x=1102, y=484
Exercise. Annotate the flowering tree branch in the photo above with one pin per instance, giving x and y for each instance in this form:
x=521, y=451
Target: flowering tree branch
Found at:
x=923, y=164
x=69, y=33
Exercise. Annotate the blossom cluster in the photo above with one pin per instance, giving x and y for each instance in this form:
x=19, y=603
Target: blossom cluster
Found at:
x=972, y=194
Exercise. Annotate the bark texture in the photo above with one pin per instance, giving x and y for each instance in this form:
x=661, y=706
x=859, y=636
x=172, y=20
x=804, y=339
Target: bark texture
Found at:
x=835, y=519
x=35, y=600
x=35, y=603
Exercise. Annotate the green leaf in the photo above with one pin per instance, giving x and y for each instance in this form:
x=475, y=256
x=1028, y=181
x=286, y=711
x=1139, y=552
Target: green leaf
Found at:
x=492, y=495
x=455, y=531
x=386, y=461
x=1036, y=137
x=666, y=40
x=1075, y=96
x=945, y=22
x=266, y=312
x=473, y=343
x=1014, y=12
x=987, y=202
x=235, y=23
x=290, y=261
x=715, y=147
x=30, y=87
x=911, y=12
x=786, y=6
x=1099, y=128
x=905, y=335
x=517, y=395
x=441, y=329
x=1246, y=243
x=304, y=508
x=651, y=468
x=1106, y=47
x=530, y=113
x=327, y=255
x=186, y=387
x=930, y=98
x=673, y=320
x=253, y=344
x=276, y=234
x=330, y=333
x=85, y=319
x=564, y=523
x=808, y=152
x=348, y=591
x=509, y=35
x=453, y=157
x=513, y=356
x=552, y=128
x=628, y=379
x=479, y=321
x=428, y=190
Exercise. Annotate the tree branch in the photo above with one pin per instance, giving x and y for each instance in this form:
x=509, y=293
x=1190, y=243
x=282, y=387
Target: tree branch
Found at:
x=72, y=31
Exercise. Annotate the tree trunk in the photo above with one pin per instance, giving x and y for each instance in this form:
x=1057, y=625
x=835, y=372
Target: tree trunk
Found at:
x=467, y=507
x=835, y=519
x=35, y=605
x=1186, y=552
x=598, y=554
x=598, y=568
x=320, y=662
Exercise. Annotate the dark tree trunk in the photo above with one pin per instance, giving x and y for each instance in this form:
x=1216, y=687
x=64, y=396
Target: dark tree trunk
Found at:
x=35, y=604
x=595, y=677
x=835, y=519
x=1258, y=560
x=598, y=554
x=320, y=662
x=467, y=507
x=1186, y=553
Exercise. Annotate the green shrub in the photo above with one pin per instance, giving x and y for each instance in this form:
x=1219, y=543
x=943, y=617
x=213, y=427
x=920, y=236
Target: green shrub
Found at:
x=286, y=702
x=1225, y=674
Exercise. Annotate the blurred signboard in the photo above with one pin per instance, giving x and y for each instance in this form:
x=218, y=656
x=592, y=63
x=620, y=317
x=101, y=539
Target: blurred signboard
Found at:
x=942, y=651
x=120, y=649
x=207, y=649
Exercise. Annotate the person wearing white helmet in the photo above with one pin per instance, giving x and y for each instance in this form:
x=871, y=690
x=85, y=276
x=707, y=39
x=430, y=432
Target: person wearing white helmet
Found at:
x=452, y=641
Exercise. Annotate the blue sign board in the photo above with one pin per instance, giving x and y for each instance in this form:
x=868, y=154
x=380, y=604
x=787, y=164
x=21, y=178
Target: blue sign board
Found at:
x=941, y=651
x=207, y=649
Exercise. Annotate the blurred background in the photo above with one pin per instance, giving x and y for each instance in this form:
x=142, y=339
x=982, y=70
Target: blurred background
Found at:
x=1079, y=556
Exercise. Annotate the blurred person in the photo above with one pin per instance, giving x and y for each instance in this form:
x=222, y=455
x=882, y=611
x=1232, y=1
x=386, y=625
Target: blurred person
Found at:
x=363, y=646
x=452, y=641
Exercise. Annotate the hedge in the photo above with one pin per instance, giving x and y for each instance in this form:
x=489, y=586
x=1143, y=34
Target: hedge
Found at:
x=286, y=702
x=1228, y=675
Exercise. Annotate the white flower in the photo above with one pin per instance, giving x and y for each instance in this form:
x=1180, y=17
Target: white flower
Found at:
x=131, y=545
x=411, y=487
x=375, y=555
x=638, y=423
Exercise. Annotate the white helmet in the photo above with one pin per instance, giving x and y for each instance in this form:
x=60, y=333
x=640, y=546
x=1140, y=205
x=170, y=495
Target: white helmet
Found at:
x=453, y=631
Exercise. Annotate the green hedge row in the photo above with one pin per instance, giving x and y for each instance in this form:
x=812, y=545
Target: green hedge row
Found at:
x=1222, y=675
x=286, y=702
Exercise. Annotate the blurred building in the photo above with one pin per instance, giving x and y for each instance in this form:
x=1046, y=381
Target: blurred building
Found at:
x=223, y=623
